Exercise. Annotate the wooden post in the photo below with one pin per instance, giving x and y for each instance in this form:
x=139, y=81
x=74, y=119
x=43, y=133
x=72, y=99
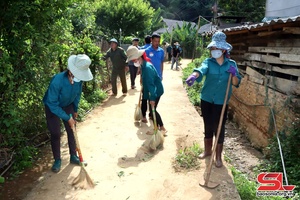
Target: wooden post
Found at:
x=196, y=39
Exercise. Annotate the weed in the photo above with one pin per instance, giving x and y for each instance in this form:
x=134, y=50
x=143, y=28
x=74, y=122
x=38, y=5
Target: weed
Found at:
x=187, y=158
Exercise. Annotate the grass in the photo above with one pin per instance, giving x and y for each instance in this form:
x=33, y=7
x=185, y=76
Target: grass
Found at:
x=187, y=158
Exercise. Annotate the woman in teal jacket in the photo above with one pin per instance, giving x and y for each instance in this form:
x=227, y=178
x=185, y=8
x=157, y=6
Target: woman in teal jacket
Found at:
x=216, y=71
x=61, y=102
x=152, y=86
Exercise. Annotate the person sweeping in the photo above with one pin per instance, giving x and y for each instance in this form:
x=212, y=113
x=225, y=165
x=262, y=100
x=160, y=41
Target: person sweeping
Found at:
x=61, y=102
x=216, y=70
x=151, y=81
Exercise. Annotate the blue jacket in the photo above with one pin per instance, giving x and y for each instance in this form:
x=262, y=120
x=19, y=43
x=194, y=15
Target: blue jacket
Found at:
x=157, y=57
x=152, y=86
x=62, y=93
x=216, y=78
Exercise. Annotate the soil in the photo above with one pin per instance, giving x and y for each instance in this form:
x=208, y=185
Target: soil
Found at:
x=120, y=162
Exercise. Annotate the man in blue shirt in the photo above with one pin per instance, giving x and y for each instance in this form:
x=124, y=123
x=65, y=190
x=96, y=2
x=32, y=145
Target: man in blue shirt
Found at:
x=156, y=54
x=147, y=42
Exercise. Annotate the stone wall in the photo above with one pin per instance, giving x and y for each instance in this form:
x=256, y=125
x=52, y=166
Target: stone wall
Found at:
x=256, y=121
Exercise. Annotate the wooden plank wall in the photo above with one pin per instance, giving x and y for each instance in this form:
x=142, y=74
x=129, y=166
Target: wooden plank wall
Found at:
x=275, y=55
x=269, y=60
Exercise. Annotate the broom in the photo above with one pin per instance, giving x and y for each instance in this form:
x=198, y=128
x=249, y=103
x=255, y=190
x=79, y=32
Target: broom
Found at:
x=83, y=180
x=138, y=112
x=157, y=138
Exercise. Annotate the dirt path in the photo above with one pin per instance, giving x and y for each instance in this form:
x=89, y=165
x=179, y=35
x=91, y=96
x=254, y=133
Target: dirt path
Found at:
x=111, y=143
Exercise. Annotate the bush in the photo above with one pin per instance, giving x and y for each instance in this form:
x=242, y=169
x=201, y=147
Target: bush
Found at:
x=187, y=158
x=291, y=153
x=194, y=91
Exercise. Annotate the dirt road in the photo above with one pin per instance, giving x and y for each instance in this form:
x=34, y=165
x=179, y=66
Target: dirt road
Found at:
x=119, y=161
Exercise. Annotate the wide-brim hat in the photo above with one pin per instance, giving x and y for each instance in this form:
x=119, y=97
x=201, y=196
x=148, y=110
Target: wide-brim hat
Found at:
x=79, y=67
x=133, y=53
x=219, y=41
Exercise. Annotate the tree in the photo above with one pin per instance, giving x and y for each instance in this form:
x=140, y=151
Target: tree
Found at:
x=253, y=10
x=129, y=16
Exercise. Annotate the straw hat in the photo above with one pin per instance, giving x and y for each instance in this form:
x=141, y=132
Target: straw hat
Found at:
x=79, y=67
x=133, y=53
x=219, y=41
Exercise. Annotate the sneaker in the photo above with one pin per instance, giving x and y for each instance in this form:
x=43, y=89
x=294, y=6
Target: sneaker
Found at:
x=74, y=160
x=56, y=166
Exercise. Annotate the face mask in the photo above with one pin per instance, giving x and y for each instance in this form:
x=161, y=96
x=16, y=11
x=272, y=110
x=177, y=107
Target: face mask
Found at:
x=137, y=64
x=216, y=53
x=76, y=79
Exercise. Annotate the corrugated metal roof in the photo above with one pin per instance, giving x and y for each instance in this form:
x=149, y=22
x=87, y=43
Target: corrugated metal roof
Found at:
x=267, y=23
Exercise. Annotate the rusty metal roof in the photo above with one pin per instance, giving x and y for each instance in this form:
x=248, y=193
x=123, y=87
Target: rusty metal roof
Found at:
x=259, y=25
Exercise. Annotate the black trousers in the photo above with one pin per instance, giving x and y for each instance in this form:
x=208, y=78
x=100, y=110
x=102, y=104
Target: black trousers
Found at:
x=211, y=116
x=133, y=72
x=144, y=108
x=53, y=123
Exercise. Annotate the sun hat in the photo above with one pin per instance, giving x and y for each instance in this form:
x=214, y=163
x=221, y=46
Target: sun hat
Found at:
x=219, y=41
x=133, y=53
x=114, y=40
x=79, y=67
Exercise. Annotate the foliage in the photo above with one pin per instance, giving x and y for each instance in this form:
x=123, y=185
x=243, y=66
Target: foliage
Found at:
x=129, y=16
x=36, y=39
x=187, y=158
x=290, y=149
x=187, y=10
x=194, y=91
x=253, y=10
x=247, y=188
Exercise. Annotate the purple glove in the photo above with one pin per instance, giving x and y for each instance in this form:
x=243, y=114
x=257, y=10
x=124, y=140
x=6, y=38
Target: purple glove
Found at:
x=190, y=80
x=232, y=70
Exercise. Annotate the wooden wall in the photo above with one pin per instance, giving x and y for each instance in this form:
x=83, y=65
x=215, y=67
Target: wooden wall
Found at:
x=269, y=59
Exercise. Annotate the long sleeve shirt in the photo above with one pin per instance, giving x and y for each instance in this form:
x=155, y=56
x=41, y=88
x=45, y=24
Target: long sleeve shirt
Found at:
x=62, y=93
x=118, y=58
x=216, y=78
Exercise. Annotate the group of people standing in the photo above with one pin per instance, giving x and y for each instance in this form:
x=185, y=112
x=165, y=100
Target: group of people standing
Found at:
x=62, y=98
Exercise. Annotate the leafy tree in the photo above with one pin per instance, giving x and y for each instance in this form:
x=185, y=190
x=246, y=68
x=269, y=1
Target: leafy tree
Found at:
x=131, y=16
x=253, y=10
x=185, y=35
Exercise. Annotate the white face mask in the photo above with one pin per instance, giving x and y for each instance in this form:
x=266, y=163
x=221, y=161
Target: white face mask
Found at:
x=76, y=79
x=216, y=53
x=137, y=64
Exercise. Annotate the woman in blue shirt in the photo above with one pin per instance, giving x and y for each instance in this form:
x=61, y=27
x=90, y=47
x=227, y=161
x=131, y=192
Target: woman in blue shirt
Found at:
x=216, y=71
x=151, y=81
x=61, y=100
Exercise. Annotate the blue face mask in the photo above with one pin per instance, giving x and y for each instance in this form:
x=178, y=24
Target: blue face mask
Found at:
x=216, y=53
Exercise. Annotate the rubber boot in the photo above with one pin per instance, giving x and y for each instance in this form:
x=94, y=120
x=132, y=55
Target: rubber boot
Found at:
x=219, y=150
x=207, y=148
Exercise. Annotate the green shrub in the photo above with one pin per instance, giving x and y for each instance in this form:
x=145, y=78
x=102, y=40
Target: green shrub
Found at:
x=187, y=158
x=194, y=91
x=246, y=188
x=291, y=153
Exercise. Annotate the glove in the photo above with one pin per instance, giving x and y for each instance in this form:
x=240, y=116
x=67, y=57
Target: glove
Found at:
x=232, y=70
x=190, y=80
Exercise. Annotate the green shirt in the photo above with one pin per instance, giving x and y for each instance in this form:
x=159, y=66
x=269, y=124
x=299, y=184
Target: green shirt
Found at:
x=118, y=58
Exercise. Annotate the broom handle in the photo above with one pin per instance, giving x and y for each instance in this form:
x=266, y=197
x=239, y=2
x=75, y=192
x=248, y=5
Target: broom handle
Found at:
x=218, y=131
x=154, y=119
x=139, y=104
x=77, y=142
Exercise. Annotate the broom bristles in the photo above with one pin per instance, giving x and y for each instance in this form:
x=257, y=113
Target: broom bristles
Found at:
x=156, y=140
x=83, y=180
x=138, y=114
